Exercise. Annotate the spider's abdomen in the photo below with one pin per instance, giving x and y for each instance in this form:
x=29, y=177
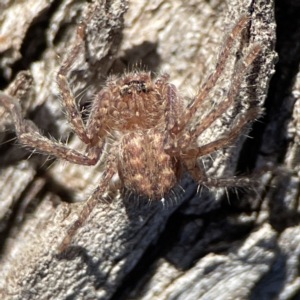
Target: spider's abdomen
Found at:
x=143, y=165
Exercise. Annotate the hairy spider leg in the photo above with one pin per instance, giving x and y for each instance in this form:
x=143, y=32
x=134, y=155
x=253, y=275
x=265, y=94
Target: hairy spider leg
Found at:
x=66, y=94
x=190, y=156
x=185, y=138
x=250, y=115
x=92, y=201
x=171, y=109
x=87, y=134
x=28, y=135
x=212, y=79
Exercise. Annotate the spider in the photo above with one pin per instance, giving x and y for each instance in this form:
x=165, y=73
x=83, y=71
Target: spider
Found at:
x=153, y=141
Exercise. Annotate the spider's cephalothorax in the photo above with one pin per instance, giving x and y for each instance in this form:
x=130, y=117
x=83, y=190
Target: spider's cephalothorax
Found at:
x=133, y=101
x=147, y=126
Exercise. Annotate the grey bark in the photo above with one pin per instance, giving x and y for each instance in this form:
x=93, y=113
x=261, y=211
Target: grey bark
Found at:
x=196, y=245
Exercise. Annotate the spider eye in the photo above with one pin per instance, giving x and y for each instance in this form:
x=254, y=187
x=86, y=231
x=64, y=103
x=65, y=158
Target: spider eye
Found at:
x=134, y=85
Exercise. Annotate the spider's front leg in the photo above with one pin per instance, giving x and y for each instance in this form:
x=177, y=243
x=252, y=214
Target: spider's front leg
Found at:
x=212, y=79
x=95, y=129
x=189, y=135
x=67, y=96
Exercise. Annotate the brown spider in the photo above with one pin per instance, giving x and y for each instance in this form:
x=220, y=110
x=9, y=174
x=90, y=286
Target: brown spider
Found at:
x=153, y=141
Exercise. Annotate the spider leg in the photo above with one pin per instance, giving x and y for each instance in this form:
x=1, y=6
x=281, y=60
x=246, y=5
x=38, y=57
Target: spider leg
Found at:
x=235, y=181
x=190, y=156
x=186, y=137
x=212, y=79
x=199, y=175
x=21, y=85
x=28, y=135
x=92, y=201
x=224, y=141
x=73, y=114
x=96, y=125
x=171, y=113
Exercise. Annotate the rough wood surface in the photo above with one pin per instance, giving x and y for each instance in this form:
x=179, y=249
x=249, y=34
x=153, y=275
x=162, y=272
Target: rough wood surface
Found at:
x=197, y=246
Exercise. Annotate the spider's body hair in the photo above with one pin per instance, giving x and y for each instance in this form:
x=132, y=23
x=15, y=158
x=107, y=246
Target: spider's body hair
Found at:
x=152, y=135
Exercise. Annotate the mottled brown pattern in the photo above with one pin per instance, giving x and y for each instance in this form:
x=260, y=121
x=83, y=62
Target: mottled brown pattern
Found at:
x=147, y=127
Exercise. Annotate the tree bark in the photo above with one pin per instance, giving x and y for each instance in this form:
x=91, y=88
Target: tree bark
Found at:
x=199, y=243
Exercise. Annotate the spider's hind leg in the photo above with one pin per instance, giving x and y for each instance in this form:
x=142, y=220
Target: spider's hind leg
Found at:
x=29, y=136
x=200, y=176
x=92, y=201
x=190, y=155
x=234, y=132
